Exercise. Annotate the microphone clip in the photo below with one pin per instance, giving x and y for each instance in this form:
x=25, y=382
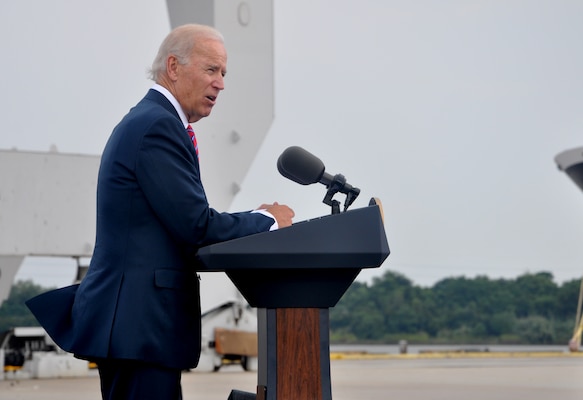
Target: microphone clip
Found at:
x=338, y=184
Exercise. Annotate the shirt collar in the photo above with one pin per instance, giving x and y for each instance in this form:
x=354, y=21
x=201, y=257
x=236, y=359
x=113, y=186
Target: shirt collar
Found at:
x=166, y=93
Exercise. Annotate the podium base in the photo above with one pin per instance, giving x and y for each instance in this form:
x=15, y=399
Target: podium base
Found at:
x=240, y=395
x=294, y=354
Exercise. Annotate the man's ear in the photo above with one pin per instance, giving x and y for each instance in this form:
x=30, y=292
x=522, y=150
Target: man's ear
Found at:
x=172, y=67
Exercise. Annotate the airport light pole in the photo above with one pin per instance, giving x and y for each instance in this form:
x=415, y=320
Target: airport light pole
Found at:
x=571, y=162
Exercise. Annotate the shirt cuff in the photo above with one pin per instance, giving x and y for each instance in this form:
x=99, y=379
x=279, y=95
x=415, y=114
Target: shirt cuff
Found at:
x=268, y=214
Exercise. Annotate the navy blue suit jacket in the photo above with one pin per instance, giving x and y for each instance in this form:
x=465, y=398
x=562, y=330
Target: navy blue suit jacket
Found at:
x=140, y=298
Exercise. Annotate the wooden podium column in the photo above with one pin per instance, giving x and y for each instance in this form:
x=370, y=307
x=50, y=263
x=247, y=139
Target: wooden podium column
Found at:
x=294, y=354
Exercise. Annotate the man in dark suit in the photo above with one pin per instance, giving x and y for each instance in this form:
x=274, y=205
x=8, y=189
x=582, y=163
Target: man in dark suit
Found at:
x=137, y=311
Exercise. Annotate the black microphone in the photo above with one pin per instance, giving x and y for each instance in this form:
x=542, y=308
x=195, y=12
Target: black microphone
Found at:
x=301, y=166
x=305, y=168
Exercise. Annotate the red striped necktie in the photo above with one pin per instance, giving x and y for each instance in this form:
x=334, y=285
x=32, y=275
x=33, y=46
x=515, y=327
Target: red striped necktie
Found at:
x=192, y=137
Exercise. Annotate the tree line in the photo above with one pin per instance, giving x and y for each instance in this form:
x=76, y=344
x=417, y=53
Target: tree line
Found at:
x=530, y=309
x=13, y=311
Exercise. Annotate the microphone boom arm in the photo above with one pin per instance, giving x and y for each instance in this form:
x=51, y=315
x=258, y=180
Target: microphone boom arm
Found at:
x=336, y=184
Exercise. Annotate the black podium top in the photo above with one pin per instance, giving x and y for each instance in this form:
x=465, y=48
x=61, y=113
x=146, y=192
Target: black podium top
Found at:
x=309, y=264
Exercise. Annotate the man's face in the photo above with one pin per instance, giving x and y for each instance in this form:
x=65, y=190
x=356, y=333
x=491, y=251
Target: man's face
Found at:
x=199, y=82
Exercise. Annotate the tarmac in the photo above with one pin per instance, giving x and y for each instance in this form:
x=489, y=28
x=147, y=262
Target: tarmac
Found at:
x=455, y=376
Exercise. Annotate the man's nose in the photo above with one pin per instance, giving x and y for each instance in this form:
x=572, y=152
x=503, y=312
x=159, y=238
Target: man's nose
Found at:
x=219, y=83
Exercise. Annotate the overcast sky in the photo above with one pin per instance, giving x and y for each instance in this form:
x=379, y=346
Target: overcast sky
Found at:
x=451, y=112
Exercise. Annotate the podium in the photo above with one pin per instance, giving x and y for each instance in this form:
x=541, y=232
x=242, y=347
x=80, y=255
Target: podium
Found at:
x=293, y=276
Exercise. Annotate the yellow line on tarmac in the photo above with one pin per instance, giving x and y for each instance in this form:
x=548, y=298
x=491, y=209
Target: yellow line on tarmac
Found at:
x=440, y=355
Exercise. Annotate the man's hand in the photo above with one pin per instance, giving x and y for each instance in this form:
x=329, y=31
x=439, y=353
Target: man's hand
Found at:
x=282, y=213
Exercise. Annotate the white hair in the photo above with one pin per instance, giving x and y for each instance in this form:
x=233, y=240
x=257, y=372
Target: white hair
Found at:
x=180, y=43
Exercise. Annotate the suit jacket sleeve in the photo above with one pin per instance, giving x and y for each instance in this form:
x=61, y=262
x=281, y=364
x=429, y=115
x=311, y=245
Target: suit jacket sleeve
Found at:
x=168, y=173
